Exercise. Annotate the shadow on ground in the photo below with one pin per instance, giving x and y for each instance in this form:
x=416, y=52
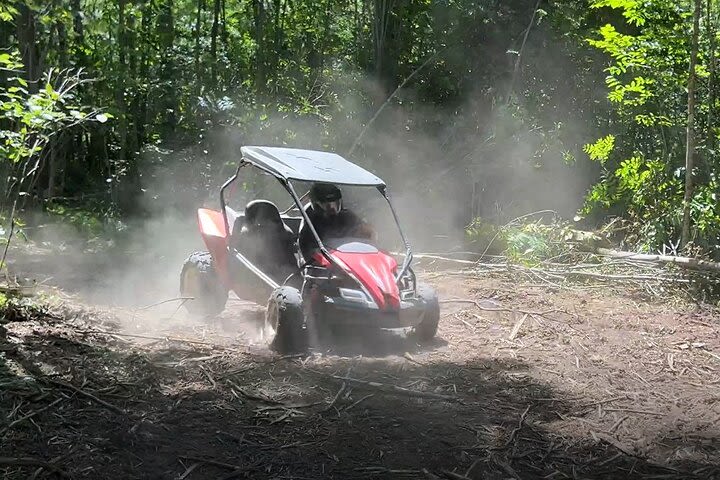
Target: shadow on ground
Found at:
x=89, y=406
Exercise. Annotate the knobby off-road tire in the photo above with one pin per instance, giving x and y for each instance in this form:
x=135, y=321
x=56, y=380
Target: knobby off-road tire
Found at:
x=199, y=280
x=427, y=328
x=285, y=322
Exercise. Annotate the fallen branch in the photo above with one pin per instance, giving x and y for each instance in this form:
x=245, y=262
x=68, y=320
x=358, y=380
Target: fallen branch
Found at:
x=210, y=461
x=396, y=389
x=176, y=299
x=30, y=415
x=92, y=397
x=360, y=401
x=189, y=470
x=335, y=398
x=454, y=476
x=252, y=396
x=631, y=410
x=515, y=430
x=604, y=401
x=429, y=475
x=31, y=462
x=236, y=473
x=499, y=309
x=517, y=327
x=638, y=278
x=684, y=262
x=614, y=442
x=422, y=256
x=166, y=339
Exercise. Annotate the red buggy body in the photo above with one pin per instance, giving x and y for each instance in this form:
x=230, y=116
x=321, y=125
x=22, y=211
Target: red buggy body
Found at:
x=348, y=281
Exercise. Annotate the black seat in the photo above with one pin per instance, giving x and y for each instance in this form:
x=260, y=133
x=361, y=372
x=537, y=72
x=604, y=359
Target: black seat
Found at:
x=266, y=241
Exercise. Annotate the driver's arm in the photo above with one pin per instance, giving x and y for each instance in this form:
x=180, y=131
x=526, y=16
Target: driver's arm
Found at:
x=358, y=227
x=365, y=230
x=306, y=242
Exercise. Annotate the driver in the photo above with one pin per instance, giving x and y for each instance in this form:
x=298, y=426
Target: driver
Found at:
x=330, y=219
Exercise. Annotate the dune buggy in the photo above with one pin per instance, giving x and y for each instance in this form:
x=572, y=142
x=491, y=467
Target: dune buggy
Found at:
x=347, y=282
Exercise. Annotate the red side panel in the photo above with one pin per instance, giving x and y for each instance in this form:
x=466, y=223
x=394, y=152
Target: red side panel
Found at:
x=376, y=272
x=212, y=229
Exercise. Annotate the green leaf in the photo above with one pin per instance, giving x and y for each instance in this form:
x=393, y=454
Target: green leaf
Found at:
x=600, y=150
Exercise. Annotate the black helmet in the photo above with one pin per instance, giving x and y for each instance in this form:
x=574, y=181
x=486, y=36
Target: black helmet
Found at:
x=326, y=197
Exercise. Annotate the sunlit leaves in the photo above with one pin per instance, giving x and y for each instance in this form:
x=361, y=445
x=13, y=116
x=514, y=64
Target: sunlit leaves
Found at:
x=647, y=89
x=600, y=150
x=7, y=12
x=632, y=10
x=34, y=117
x=635, y=93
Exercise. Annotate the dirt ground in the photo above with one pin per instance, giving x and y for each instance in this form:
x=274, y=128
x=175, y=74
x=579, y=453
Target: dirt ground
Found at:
x=524, y=381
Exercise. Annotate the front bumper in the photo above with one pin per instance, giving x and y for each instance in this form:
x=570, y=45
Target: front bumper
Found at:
x=338, y=311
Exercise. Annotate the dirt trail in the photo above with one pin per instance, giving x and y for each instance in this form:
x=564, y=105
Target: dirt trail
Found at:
x=524, y=381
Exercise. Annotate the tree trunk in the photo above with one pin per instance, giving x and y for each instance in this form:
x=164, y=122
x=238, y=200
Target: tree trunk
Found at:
x=278, y=10
x=213, y=42
x=26, y=34
x=518, y=59
x=259, y=7
x=380, y=19
x=387, y=42
x=224, y=25
x=142, y=95
x=326, y=34
x=711, y=78
x=168, y=101
x=198, y=20
x=122, y=69
x=78, y=34
x=690, y=144
x=358, y=29
x=124, y=182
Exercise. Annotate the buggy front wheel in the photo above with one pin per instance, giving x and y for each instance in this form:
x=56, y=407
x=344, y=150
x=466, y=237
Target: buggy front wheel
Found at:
x=285, y=324
x=427, y=328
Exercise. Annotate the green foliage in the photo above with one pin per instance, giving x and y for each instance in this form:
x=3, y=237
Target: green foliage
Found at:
x=33, y=116
x=535, y=242
x=91, y=221
x=632, y=9
x=600, y=150
x=483, y=236
x=180, y=87
x=527, y=243
x=14, y=307
x=643, y=165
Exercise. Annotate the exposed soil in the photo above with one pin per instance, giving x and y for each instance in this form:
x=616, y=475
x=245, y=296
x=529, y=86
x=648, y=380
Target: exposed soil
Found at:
x=524, y=381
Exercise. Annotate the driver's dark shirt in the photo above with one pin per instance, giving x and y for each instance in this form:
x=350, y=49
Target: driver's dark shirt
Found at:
x=338, y=226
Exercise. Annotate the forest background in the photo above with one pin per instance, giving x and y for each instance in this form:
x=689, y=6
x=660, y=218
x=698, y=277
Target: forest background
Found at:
x=119, y=111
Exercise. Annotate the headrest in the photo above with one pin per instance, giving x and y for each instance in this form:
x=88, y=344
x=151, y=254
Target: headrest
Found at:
x=262, y=212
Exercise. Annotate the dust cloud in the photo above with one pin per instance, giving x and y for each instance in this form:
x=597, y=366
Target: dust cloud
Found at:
x=443, y=166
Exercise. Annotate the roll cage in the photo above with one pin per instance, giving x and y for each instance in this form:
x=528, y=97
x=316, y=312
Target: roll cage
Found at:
x=287, y=164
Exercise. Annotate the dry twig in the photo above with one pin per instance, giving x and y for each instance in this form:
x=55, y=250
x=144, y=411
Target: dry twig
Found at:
x=92, y=397
x=336, y=398
x=396, y=389
x=32, y=462
x=30, y=415
x=454, y=476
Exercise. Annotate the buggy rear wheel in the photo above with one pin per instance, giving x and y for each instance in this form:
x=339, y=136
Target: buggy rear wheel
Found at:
x=427, y=328
x=199, y=280
x=285, y=321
